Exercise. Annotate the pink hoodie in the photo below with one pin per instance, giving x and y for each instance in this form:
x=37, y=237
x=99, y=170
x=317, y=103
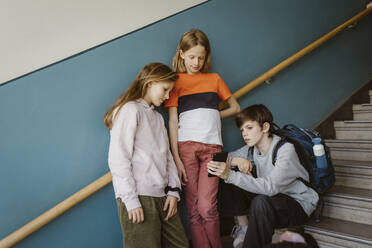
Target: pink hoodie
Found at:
x=139, y=156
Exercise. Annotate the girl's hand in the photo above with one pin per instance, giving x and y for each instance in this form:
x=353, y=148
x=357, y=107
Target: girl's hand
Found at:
x=136, y=215
x=181, y=172
x=171, y=205
x=244, y=165
x=233, y=108
x=219, y=169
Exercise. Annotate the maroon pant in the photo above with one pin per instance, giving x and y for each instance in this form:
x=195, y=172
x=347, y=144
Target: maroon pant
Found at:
x=201, y=193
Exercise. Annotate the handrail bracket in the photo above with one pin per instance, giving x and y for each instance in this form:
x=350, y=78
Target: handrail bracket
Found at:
x=269, y=80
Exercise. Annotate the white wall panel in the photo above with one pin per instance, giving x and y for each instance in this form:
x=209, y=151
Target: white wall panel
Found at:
x=37, y=33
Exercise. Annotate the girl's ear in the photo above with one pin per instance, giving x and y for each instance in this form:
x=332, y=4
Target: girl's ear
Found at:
x=149, y=84
x=182, y=54
x=266, y=127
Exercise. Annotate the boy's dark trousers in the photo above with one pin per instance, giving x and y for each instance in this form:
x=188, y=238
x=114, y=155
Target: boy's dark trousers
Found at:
x=264, y=213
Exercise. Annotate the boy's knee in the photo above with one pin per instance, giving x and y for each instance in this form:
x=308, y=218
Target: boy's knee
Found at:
x=260, y=204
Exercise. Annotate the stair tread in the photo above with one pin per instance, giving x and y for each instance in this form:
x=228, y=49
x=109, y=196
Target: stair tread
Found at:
x=352, y=149
x=357, y=121
x=348, y=141
x=342, y=229
x=351, y=193
x=352, y=163
x=357, y=106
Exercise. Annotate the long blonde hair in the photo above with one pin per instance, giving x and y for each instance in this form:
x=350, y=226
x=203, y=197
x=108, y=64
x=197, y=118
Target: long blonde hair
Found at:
x=188, y=40
x=154, y=72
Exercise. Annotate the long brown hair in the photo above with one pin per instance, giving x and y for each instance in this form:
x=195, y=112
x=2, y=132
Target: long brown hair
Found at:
x=154, y=72
x=188, y=40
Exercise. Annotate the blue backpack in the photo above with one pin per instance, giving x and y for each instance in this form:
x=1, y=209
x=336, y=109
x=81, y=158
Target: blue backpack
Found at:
x=321, y=179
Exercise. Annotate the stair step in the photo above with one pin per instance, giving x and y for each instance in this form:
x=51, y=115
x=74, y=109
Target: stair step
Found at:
x=364, y=106
x=360, y=150
x=362, y=111
x=365, y=122
x=351, y=154
x=353, y=130
x=351, y=204
x=355, y=174
x=353, y=167
x=353, y=180
x=340, y=233
x=349, y=143
x=323, y=244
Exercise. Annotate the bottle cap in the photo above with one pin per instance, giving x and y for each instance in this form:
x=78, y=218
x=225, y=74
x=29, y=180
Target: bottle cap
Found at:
x=317, y=140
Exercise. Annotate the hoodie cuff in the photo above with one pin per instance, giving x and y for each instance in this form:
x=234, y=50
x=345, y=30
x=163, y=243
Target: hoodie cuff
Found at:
x=132, y=204
x=175, y=194
x=231, y=177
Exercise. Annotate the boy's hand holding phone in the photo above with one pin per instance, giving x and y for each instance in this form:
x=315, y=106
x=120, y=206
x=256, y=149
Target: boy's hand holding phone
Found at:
x=218, y=166
x=218, y=157
x=243, y=165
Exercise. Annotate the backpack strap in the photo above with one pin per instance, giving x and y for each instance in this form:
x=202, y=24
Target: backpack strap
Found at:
x=250, y=154
x=250, y=158
x=300, y=153
x=280, y=143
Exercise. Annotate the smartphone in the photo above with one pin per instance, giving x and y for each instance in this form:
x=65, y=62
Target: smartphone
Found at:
x=219, y=157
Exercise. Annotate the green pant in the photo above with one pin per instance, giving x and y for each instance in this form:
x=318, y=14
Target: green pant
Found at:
x=154, y=232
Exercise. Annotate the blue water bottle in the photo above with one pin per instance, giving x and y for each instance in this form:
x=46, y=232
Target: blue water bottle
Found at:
x=319, y=152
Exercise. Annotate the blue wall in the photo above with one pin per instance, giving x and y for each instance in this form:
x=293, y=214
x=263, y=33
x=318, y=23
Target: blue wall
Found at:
x=52, y=138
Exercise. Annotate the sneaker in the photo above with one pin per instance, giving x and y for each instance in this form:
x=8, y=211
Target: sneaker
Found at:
x=238, y=234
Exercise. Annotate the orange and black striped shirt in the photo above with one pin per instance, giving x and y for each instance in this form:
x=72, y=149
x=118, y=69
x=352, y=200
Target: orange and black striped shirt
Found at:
x=196, y=97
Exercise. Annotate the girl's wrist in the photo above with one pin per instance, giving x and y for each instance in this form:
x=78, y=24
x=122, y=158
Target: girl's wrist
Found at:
x=178, y=162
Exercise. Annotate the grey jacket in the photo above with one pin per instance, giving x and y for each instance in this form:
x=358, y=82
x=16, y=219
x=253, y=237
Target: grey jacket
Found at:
x=272, y=180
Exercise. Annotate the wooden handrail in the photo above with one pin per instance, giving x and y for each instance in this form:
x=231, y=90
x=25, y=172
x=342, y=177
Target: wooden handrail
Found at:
x=273, y=71
x=84, y=193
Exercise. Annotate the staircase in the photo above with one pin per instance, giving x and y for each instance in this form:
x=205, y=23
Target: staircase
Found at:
x=347, y=220
x=347, y=214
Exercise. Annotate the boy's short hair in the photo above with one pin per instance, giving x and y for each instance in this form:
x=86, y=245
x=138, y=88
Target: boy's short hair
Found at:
x=256, y=112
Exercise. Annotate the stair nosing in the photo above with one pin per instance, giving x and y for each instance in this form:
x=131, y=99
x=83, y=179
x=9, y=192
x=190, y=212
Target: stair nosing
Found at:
x=357, y=121
x=352, y=163
x=347, y=141
x=344, y=174
x=365, y=167
x=339, y=234
x=334, y=234
x=323, y=243
x=362, y=105
x=364, y=195
x=351, y=149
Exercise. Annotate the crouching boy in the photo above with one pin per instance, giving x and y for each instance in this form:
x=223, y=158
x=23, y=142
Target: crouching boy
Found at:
x=272, y=196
